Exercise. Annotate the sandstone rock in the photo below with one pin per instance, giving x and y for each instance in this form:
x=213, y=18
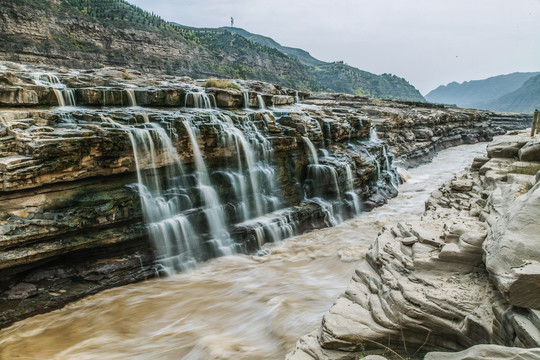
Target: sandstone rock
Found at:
x=462, y=185
x=227, y=98
x=487, y=352
x=530, y=151
x=512, y=255
x=478, y=162
x=506, y=148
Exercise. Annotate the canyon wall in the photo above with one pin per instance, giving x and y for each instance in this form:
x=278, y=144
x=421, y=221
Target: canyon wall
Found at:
x=465, y=274
x=112, y=176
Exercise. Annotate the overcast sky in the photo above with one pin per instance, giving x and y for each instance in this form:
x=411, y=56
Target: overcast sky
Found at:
x=428, y=42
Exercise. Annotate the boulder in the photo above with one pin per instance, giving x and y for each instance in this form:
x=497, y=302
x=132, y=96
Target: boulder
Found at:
x=508, y=148
x=530, y=151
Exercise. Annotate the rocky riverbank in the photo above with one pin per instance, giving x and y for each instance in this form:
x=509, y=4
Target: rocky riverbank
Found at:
x=465, y=274
x=88, y=157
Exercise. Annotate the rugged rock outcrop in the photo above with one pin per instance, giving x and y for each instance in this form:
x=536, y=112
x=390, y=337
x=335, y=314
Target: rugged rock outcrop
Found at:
x=73, y=221
x=417, y=131
x=510, y=121
x=467, y=273
x=78, y=183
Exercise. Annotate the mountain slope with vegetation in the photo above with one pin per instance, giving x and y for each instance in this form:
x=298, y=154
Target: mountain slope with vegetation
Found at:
x=481, y=94
x=94, y=33
x=340, y=77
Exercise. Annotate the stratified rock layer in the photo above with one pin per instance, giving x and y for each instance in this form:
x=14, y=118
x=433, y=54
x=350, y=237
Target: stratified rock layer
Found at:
x=416, y=131
x=71, y=223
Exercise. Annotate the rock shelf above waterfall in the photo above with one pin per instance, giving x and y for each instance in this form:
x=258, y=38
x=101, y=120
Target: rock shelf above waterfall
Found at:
x=111, y=176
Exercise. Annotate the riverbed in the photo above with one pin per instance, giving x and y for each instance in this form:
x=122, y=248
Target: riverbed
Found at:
x=233, y=307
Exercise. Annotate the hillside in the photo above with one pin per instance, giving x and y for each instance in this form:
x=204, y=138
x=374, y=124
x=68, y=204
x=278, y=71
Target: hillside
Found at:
x=299, y=54
x=525, y=99
x=96, y=33
x=340, y=77
x=479, y=93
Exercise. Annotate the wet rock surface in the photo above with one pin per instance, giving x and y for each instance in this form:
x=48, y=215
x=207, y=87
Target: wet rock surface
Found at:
x=71, y=222
x=466, y=274
x=416, y=131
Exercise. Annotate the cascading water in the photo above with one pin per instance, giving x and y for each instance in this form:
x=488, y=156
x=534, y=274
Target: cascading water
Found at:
x=245, y=93
x=260, y=102
x=131, y=97
x=373, y=134
x=200, y=100
x=221, y=240
x=313, y=152
x=177, y=245
x=253, y=181
x=350, y=190
x=64, y=95
x=322, y=183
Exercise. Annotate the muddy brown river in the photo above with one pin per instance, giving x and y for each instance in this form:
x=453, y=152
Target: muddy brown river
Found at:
x=234, y=307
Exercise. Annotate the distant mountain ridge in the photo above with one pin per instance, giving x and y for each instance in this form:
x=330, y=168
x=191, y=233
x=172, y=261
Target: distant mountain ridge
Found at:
x=95, y=33
x=525, y=99
x=514, y=92
x=340, y=77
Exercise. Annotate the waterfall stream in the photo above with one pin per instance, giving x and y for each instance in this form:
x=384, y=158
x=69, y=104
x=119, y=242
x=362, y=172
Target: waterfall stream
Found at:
x=177, y=245
x=233, y=307
x=64, y=95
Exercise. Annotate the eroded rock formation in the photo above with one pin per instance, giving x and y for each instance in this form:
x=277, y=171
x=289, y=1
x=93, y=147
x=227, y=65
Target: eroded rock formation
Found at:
x=76, y=182
x=467, y=273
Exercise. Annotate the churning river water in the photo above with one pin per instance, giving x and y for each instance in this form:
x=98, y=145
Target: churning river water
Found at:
x=233, y=307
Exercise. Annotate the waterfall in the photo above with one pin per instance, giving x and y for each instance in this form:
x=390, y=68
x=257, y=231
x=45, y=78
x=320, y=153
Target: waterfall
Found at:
x=373, y=134
x=64, y=95
x=114, y=95
x=274, y=227
x=350, y=191
x=386, y=159
x=131, y=97
x=322, y=182
x=325, y=180
x=314, y=158
x=221, y=240
x=163, y=197
x=260, y=101
x=199, y=100
x=330, y=219
x=59, y=97
x=246, y=99
x=296, y=97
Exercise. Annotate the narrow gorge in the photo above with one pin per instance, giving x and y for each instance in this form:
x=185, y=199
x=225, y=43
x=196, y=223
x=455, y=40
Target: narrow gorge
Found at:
x=110, y=177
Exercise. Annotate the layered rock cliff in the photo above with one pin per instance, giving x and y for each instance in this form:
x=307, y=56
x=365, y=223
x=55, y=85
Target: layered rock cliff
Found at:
x=415, y=132
x=152, y=174
x=467, y=273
